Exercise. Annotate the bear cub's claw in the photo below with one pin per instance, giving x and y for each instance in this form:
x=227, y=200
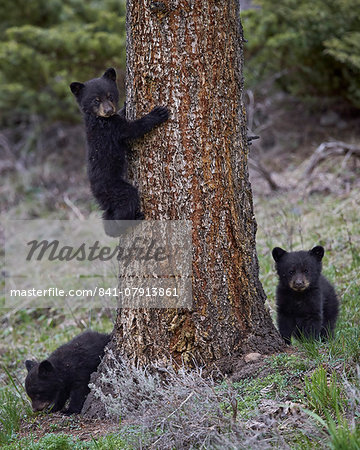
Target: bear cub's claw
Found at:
x=161, y=112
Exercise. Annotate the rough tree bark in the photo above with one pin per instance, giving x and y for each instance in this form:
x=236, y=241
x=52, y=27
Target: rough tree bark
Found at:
x=187, y=54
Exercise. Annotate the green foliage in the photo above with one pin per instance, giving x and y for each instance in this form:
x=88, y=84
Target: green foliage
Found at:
x=312, y=47
x=329, y=402
x=13, y=406
x=46, y=44
x=120, y=440
x=61, y=441
x=9, y=417
x=324, y=394
x=49, y=442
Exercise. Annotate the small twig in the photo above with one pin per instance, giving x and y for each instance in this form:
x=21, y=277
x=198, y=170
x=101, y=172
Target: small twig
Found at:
x=252, y=138
x=177, y=409
x=234, y=406
x=11, y=162
x=4, y=144
x=73, y=207
x=256, y=165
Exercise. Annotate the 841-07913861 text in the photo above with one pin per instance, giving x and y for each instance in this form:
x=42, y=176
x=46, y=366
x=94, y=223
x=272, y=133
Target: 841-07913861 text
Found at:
x=139, y=291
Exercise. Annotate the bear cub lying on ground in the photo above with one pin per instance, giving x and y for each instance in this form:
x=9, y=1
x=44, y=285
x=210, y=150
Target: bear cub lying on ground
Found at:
x=107, y=133
x=65, y=374
x=306, y=302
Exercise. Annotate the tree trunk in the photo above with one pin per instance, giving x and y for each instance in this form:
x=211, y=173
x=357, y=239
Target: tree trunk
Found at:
x=187, y=55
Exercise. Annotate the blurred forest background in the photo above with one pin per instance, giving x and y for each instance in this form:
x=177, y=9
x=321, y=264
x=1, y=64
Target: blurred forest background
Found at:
x=302, y=66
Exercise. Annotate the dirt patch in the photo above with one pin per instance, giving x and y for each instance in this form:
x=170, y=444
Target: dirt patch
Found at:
x=251, y=365
x=236, y=368
x=76, y=426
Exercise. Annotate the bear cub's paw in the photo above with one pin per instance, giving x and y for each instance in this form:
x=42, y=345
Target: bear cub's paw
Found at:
x=161, y=112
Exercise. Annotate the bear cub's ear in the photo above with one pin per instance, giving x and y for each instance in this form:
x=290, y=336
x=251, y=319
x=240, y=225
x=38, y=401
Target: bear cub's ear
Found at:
x=30, y=364
x=45, y=368
x=277, y=253
x=76, y=88
x=317, y=252
x=110, y=74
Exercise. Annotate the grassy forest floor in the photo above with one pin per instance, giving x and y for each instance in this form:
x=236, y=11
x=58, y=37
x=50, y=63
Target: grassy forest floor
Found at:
x=306, y=397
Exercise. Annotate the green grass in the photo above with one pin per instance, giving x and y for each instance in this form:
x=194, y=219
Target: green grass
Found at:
x=63, y=441
x=329, y=407
x=251, y=392
x=324, y=393
x=129, y=438
x=48, y=442
x=11, y=412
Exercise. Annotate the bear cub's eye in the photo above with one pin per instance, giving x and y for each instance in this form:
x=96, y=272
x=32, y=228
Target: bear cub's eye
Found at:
x=291, y=272
x=306, y=271
x=97, y=100
x=110, y=97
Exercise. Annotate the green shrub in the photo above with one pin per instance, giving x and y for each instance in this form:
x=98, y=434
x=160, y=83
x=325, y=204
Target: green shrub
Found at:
x=311, y=47
x=45, y=45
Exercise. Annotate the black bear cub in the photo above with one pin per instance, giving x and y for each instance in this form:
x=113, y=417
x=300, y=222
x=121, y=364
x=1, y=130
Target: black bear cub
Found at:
x=306, y=302
x=65, y=374
x=107, y=134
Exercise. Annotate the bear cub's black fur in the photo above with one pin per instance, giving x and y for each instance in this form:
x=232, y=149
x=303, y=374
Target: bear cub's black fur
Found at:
x=307, y=304
x=107, y=134
x=65, y=373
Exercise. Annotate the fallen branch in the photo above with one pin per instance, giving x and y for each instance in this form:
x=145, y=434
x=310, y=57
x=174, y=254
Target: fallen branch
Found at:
x=327, y=150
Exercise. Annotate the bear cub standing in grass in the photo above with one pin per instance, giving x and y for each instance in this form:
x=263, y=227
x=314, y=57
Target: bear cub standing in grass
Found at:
x=107, y=133
x=65, y=374
x=306, y=302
